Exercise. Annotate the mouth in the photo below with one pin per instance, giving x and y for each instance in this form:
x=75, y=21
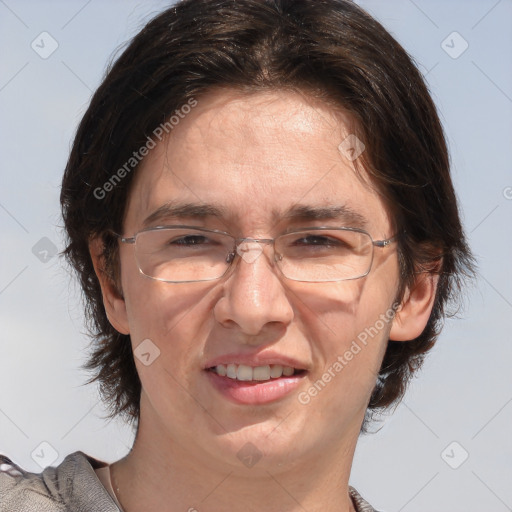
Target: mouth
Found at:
x=245, y=373
x=255, y=385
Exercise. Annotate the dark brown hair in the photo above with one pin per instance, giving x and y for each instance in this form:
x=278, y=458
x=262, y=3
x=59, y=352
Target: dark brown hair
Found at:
x=331, y=49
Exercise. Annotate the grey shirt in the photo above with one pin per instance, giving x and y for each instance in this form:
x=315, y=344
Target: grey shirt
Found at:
x=72, y=486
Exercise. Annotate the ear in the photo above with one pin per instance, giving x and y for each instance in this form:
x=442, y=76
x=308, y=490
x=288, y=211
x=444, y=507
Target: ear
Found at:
x=412, y=316
x=113, y=301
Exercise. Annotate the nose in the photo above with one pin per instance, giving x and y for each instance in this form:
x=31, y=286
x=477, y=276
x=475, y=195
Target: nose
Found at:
x=254, y=298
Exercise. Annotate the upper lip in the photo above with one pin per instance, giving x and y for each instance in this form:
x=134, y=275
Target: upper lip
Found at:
x=259, y=359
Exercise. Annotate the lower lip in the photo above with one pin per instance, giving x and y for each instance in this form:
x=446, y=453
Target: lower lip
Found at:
x=254, y=392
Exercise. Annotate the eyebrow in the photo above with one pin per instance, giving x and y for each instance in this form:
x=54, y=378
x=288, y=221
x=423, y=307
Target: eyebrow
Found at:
x=177, y=210
x=345, y=215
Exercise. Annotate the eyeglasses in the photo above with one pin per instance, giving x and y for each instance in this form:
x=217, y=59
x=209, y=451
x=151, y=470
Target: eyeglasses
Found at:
x=184, y=254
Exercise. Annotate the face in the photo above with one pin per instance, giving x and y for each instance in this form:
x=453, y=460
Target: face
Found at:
x=256, y=158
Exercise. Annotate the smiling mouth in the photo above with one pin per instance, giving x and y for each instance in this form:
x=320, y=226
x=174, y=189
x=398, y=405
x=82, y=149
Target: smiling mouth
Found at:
x=246, y=373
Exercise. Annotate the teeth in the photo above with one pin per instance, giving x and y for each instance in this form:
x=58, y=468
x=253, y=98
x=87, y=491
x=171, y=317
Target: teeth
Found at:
x=231, y=371
x=276, y=371
x=287, y=371
x=248, y=373
x=221, y=370
x=244, y=372
x=261, y=372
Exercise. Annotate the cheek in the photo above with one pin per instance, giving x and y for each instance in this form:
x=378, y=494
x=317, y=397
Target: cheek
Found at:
x=348, y=325
x=338, y=313
x=350, y=358
x=168, y=314
x=175, y=320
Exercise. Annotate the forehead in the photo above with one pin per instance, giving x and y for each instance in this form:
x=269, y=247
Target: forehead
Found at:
x=253, y=159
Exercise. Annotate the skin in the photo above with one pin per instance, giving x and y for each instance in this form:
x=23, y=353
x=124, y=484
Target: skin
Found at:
x=253, y=154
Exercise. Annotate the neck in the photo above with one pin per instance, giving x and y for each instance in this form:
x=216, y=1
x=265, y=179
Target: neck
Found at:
x=161, y=475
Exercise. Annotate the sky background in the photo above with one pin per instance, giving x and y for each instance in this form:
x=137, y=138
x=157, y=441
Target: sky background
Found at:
x=448, y=445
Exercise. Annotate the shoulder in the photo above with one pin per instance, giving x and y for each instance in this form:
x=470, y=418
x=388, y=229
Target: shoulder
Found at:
x=360, y=503
x=20, y=490
x=72, y=485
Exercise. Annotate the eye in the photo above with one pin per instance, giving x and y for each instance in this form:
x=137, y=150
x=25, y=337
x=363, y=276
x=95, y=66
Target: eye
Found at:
x=311, y=240
x=188, y=240
x=331, y=243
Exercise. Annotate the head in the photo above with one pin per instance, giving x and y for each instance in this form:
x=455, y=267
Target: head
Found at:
x=256, y=107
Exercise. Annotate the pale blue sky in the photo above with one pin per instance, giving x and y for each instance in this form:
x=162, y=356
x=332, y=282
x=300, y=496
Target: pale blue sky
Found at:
x=464, y=392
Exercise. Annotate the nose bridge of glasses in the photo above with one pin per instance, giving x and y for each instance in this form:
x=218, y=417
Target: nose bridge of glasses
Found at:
x=249, y=249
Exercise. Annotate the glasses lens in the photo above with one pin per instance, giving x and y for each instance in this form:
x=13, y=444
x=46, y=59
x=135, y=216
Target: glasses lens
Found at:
x=180, y=255
x=324, y=255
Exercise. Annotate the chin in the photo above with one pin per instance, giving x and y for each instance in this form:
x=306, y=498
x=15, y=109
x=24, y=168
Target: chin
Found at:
x=260, y=447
